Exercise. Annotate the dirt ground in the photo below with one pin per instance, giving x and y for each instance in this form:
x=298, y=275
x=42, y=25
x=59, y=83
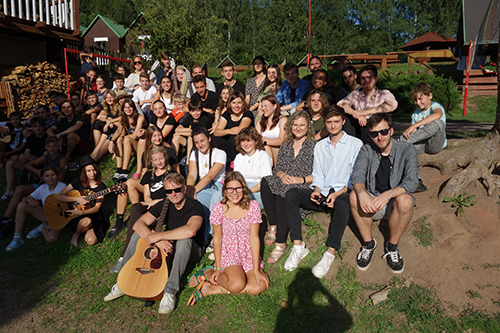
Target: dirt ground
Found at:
x=461, y=262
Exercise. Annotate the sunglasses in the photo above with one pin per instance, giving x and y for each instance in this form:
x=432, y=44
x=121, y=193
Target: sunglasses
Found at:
x=137, y=62
x=176, y=190
x=384, y=132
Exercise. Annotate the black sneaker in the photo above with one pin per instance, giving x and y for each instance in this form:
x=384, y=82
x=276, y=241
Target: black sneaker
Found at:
x=7, y=229
x=394, y=260
x=421, y=187
x=364, y=258
x=115, y=231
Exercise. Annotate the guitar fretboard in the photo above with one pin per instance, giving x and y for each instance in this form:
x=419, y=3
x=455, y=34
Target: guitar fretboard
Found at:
x=163, y=213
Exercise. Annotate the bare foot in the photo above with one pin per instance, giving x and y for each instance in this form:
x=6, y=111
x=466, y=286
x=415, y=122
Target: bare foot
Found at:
x=74, y=240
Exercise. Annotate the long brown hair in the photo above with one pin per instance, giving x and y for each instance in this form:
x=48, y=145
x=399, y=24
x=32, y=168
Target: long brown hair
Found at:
x=276, y=114
x=247, y=134
x=161, y=90
x=245, y=201
x=236, y=94
x=278, y=81
x=135, y=115
x=85, y=180
x=152, y=129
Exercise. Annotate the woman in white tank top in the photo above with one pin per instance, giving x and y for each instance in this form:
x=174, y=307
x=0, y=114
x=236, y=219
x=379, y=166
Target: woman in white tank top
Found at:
x=271, y=126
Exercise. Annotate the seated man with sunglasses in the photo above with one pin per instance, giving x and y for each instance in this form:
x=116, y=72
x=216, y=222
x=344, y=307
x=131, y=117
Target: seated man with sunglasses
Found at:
x=385, y=173
x=183, y=237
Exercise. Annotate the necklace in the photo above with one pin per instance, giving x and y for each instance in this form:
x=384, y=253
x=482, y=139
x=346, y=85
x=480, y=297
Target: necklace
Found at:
x=205, y=160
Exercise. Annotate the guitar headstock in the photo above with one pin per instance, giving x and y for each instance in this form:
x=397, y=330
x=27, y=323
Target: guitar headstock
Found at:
x=119, y=188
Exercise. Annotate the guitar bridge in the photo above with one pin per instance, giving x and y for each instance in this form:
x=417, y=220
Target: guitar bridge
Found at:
x=144, y=271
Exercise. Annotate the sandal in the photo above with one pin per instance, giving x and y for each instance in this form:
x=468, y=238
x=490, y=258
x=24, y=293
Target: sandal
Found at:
x=270, y=238
x=200, y=275
x=5, y=197
x=197, y=294
x=277, y=253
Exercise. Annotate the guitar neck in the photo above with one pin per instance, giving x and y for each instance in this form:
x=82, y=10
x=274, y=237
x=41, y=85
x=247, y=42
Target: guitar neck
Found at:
x=163, y=213
x=98, y=194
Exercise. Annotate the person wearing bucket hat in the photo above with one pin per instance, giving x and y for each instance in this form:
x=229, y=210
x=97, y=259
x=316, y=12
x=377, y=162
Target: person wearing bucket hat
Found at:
x=90, y=221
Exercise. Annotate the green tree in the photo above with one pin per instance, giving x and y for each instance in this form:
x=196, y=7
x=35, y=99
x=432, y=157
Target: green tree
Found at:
x=185, y=27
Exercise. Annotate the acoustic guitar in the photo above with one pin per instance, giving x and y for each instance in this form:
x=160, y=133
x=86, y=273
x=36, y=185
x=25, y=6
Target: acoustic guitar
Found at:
x=144, y=276
x=55, y=210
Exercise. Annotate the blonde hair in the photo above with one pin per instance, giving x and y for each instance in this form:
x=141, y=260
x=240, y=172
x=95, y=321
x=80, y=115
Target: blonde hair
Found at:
x=185, y=81
x=112, y=110
x=159, y=150
x=296, y=115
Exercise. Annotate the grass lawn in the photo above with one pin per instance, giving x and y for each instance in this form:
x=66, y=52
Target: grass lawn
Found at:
x=61, y=288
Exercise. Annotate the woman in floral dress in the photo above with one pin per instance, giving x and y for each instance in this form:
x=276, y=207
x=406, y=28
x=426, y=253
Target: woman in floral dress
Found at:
x=238, y=266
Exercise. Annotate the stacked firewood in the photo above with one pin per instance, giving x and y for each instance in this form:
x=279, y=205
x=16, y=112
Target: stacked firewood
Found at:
x=31, y=85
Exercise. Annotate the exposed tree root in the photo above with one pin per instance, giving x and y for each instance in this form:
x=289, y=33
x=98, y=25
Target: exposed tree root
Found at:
x=475, y=161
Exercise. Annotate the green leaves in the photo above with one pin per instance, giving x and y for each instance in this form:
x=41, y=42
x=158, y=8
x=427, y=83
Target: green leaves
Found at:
x=460, y=201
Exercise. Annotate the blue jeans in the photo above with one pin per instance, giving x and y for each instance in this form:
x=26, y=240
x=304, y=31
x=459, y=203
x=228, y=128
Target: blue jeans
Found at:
x=204, y=197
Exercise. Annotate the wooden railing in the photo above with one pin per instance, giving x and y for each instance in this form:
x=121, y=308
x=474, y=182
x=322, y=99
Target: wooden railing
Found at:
x=58, y=13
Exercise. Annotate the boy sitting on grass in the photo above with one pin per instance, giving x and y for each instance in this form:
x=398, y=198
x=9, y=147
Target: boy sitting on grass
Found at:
x=428, y=125
x=51, y=157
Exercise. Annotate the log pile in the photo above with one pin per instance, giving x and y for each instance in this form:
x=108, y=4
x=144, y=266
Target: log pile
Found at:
x=31, y=85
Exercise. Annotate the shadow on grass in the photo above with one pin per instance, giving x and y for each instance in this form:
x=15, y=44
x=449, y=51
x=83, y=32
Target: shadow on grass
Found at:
x=312, y=308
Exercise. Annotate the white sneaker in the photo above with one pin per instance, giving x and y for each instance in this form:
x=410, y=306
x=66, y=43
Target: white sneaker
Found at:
x=117, y=267
x=296, y=255
x=323, y=266
x=114, y=294
x=167, y=304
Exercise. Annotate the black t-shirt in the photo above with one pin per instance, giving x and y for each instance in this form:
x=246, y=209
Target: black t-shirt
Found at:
x=206, y=120
x=170, y=121
x=382, y=175
x=156, y=189
x=36, y=145
x=178, y=218
x=231, y=123
x=238, y=86
x=212, y=101
x=77, y=185
x=83, y=132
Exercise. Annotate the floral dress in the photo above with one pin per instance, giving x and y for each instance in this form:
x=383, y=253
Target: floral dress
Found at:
x=236, y=248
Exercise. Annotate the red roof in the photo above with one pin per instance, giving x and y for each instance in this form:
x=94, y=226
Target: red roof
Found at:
x=430, y=37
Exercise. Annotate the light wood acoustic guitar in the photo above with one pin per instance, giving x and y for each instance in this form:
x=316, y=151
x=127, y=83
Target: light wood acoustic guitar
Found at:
x=144, y=276
x=55, y=210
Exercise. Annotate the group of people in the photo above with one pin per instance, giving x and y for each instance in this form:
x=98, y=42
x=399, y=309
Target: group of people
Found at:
x=286, y=147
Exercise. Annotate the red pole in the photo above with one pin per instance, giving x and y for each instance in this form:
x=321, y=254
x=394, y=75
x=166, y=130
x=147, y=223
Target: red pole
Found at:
x=309, y=36
x=467, y=79
x=67, y=74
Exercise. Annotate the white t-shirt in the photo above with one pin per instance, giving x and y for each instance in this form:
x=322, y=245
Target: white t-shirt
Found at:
x=254, y=167
x=140, y=96
x=43, y=192
x=218, y=156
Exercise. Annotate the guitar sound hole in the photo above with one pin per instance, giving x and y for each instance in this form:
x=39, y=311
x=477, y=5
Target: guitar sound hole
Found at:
x=153, y=254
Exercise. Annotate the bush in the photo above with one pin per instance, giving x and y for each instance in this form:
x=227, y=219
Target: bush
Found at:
x=443, y=90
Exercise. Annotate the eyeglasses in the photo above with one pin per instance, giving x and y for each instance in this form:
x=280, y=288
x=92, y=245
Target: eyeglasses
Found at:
x=176, y=190
x=232, y=189
x=137, y=62
x=384, y=132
